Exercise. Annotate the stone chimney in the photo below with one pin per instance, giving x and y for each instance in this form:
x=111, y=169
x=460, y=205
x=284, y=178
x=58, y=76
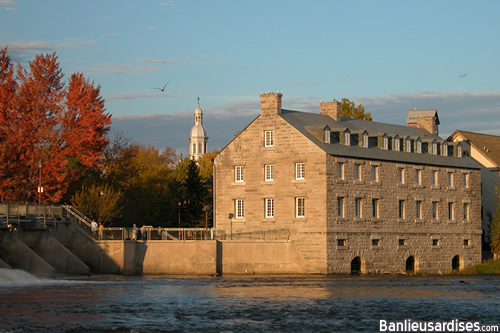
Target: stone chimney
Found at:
x=270, y=103
x=426, y=119
x=331, y=109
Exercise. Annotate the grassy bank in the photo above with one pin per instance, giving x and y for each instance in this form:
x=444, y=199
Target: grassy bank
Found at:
x=487, y=267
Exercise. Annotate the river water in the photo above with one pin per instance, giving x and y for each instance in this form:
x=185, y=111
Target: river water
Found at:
x=106, y=303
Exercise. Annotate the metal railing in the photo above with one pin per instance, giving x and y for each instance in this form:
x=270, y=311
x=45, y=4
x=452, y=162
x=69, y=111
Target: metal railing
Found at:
x=83, y=221
x=151, y=233
x=11, y=212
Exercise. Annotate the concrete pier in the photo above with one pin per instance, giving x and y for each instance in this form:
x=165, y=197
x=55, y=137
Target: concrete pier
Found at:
x=19, y=255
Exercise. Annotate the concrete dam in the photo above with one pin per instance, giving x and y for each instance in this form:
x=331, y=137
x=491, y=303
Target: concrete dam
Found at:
x=47, y=241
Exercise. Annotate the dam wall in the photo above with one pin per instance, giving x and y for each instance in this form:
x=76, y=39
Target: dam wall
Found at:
x=65, y=249
x=202, y=257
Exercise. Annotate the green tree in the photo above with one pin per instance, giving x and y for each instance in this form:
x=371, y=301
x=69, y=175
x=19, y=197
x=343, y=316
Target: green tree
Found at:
x=205, y=163
x=146, y=178
x=192, y=194
x=98, y=202
x=495, y=226
x=349, y=109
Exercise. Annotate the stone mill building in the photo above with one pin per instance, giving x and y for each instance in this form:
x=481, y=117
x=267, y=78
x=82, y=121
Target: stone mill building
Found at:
x=354, y=195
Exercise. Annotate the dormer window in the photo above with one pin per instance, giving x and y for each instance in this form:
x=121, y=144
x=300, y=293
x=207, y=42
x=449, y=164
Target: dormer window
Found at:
x=418, y=146
x=444, y=151
x=397, y=143
x=326, y=135
x=347, y=138
x=459, y=151
x=434, y=148
x=385, y=143
x=365, y=140
x=408, y=145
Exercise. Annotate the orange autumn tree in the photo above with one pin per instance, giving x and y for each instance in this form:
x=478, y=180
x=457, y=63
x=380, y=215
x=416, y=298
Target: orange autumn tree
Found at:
x=49, y=134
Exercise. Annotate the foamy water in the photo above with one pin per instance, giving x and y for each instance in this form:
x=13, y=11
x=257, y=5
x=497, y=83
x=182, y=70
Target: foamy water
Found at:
x=108, y=303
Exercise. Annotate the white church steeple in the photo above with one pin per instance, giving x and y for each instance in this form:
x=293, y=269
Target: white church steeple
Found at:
x=198, y=139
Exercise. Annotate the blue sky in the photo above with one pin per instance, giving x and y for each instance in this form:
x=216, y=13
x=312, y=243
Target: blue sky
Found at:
x=390, y=56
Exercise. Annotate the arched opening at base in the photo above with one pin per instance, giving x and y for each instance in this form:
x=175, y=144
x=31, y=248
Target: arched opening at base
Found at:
x=456, y=263
x=356, y=266
x=410, y=265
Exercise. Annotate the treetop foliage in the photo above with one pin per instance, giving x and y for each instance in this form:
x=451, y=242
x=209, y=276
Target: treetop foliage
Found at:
x=349, y=109
x=49, y=133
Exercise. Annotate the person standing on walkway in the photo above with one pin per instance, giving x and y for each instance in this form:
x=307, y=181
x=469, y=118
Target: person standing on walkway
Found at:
x=134, y=232
x=94, y=227
x=101, y=230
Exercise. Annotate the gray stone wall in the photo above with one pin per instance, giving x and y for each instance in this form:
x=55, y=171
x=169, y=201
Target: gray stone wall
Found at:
x=432, y=241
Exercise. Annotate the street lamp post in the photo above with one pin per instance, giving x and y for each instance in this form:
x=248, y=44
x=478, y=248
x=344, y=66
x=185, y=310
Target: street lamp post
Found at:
x=231, y=215
x=40, y=188
x=180, y=203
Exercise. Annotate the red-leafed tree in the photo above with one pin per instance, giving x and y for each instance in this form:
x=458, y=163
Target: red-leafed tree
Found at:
x=8, y=88
x=49, y=134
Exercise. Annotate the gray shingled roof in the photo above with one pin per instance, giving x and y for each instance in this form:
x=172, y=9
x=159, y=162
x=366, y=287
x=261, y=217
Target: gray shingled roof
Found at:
x=305, y=120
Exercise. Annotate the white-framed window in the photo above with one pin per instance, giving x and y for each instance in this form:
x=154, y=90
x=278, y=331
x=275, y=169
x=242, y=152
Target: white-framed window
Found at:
x=300, y=171
x=375, y=208
x=269, y=171
x=359, y=207
x=466, y=211
x=459, y=151
x=365, y=140
x=444, y=149
x=340, y=206
x=238, y=173
x=300, y=207
x=239, y=208
x=450, y=180
x=408, y=145
x=326, y=135
x=451, y=211
x=435, y=179
x=375, y=178
x=269, y=202
x=418, y=209
x=434, y=148
x=397, y=144
x=401, y=175
x=358, y=172
x=385, y=143
x=347, y=138
x=418, y=147
x=466, y=179
x=340, y=170
x=402, y=209
x=418, y=177
x=268, y=139
x=435, y=210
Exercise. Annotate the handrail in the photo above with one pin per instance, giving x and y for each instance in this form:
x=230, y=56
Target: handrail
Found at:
x=83, y=220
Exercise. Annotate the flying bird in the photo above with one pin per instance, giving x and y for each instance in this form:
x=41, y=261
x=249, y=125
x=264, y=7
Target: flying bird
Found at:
x=162, y=89
x=462, y=76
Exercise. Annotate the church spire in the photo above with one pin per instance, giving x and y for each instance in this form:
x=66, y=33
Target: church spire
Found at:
x=198, y=139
